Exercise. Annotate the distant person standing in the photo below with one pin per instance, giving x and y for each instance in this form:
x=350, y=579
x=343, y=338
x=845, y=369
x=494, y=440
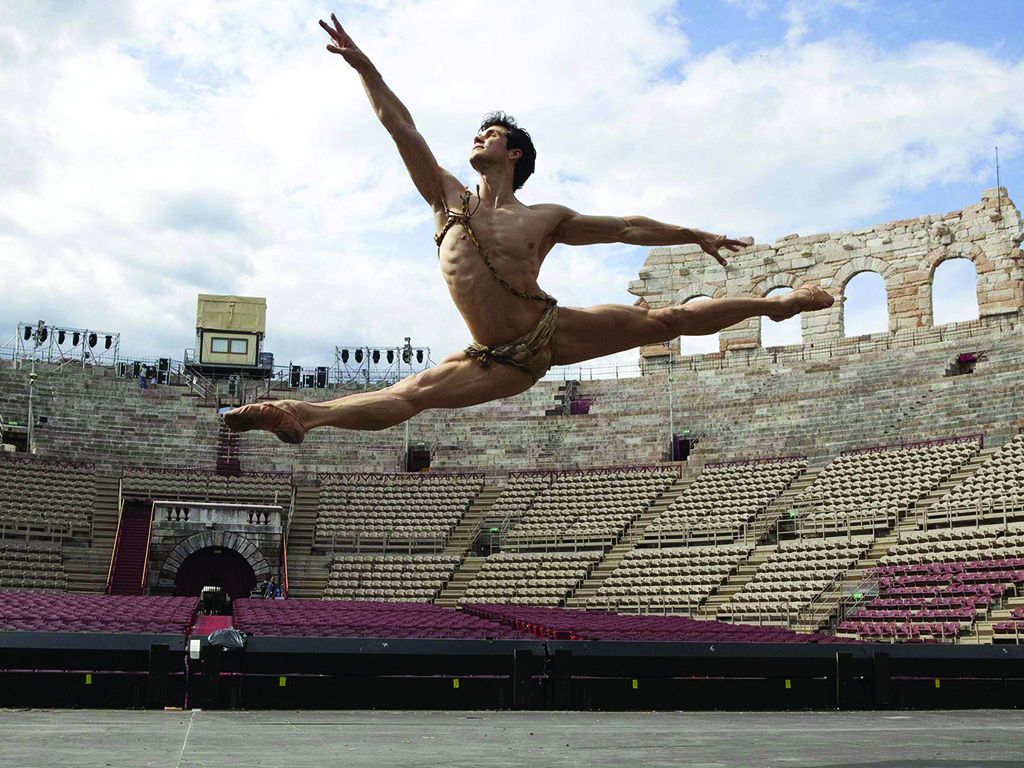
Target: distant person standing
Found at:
x=272, y=589
x=143, y=378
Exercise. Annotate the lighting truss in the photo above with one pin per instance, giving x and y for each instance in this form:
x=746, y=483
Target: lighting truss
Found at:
x=62, y=345
x=377, y=366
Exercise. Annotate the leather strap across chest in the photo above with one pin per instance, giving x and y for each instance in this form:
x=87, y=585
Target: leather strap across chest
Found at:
x=462, y=217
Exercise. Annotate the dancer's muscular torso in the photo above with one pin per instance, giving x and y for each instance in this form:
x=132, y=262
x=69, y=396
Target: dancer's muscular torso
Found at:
x=516, y=238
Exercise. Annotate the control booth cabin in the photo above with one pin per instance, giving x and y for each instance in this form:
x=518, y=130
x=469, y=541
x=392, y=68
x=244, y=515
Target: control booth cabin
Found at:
x=229, y=337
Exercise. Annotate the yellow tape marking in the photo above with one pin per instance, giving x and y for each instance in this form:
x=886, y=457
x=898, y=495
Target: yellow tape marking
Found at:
x=88, y=679
x=635, y=685
x=789, y=684
x=455, y=683
x=281, y=681
x=936, y=682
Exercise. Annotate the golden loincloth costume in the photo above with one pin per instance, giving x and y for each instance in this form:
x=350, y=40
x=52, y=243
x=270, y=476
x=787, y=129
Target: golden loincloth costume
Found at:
x=532, y=351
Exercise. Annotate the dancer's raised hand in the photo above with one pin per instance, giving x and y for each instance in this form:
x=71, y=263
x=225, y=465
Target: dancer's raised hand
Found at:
x=711, y=244
x=342, y=44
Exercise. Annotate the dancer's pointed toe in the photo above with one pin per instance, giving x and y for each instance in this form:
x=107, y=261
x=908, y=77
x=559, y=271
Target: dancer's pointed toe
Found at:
x=276, y=418
x=806, y=298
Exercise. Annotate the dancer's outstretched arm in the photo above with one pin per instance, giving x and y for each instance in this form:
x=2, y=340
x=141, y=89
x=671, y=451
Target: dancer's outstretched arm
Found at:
x=433, y=182
x=577, y=229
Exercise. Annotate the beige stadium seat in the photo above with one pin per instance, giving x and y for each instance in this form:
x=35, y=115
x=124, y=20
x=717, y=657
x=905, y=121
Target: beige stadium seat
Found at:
x=530, y=578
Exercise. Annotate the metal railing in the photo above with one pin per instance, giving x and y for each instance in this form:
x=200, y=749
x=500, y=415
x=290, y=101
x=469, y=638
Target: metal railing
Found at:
x=284, y=565
x=149, y=544
x=117, y=541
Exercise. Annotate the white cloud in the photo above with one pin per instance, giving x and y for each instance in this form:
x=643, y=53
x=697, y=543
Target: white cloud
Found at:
x=800, y=13
x=753, y=8
x=150, y=152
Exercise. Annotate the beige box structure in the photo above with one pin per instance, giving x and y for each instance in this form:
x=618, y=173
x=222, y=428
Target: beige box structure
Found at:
x=230, y=329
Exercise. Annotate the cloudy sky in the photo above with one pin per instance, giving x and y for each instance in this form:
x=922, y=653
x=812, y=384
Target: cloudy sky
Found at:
x=154, y=150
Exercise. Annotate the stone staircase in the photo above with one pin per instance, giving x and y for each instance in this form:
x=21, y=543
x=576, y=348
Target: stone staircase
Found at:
x=788, y=501
x=462, y=537
x=633, y=532
x=130, y=563
x=86, y=568
x=104, y=511
x=744, y=573
x=303, y=520
x=307, y=573
x=453, y=591
x=821, y=613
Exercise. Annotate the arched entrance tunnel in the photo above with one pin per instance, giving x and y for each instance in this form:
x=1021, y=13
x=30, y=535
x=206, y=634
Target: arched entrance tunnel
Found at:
x=218, y=575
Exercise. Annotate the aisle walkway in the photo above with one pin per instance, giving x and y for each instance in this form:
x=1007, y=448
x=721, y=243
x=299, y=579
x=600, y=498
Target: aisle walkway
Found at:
x=977, y=739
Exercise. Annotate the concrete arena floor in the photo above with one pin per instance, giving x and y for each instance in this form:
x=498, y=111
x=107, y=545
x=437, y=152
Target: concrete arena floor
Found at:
x=62, y=738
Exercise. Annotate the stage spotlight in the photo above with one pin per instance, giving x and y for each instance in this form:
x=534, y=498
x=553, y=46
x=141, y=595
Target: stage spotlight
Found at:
x=407, y=356
x=359, y=355
x=60, y=337
x=107, y=342
x=344, y=355
x=391, y=356
x=92, y=340
x=75, y=338
x=376, y=356
x=43, y=333
x=419, y=355
x=28, y=332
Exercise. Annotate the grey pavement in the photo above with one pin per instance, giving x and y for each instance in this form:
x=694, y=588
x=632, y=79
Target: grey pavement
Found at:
x=989, y=739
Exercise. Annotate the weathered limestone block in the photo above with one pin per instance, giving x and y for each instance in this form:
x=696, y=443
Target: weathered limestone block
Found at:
x=904, y=252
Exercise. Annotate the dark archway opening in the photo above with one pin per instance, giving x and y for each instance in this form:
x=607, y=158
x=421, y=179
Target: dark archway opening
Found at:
x=218, y=575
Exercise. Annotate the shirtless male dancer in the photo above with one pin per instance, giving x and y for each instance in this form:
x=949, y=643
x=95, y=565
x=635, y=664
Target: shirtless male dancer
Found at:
x=491, y=247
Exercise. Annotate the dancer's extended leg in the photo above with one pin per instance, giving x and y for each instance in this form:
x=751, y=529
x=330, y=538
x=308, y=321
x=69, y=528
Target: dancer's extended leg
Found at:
x=455, y=382
x=583, y=334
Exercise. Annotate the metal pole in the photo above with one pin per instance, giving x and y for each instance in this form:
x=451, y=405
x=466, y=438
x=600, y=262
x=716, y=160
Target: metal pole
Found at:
x=671, y=414
x=31, y=386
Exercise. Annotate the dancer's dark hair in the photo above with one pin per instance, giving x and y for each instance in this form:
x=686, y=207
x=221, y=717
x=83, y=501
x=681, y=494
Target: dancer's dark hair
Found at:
x=516, y=138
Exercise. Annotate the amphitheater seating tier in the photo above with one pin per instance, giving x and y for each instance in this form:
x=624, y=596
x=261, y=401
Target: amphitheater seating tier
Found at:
x=868, y=491
x=794, y=576
x=678, y=578
x=392, y=578
x=392, y=509
x=564, y=624
x=723, y=499
x=294, y=618
x=207, y=485
x=938, y=583
x=582, y=507
x=995, y=490
x=31, y=566
x=45, y=496
x=38, y=612
x=530, y=578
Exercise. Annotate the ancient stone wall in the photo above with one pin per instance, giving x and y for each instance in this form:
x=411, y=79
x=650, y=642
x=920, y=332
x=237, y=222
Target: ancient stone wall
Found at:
x=805, y=401
x=817, y=399
x=905, y=253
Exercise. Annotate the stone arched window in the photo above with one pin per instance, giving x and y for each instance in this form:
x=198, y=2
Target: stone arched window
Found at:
x=865, y=305
x=954, y=291
x=698, y=345
x=781, y=334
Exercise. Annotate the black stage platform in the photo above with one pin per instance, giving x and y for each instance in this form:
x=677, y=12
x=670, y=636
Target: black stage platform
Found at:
x=44, y=669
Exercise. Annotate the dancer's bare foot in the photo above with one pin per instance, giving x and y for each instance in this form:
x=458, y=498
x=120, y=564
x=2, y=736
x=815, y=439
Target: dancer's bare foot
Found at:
x=806, y=298
x=280, y=417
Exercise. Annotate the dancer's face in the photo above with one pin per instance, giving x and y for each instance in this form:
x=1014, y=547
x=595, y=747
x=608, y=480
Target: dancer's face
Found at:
x=490, y=146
